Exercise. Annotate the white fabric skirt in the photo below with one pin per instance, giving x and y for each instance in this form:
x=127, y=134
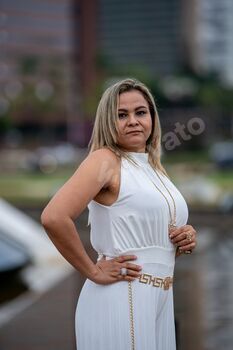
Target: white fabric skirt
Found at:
x=102, y=319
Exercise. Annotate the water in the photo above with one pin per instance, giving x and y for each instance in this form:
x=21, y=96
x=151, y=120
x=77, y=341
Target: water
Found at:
x=204, y=293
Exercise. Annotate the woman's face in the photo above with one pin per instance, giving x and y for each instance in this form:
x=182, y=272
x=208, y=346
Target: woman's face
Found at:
x=134, y=121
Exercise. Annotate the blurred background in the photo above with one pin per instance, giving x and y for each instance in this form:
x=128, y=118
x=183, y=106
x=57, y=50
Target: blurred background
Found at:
x=56, y=58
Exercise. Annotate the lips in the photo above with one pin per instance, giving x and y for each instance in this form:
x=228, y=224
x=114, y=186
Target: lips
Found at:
x=133, y=132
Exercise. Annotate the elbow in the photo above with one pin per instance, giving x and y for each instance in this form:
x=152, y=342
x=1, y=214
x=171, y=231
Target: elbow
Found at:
x=52, y=220
x=48, y=220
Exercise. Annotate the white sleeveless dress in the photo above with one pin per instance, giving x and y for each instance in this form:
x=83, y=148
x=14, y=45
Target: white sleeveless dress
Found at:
x=137, y=223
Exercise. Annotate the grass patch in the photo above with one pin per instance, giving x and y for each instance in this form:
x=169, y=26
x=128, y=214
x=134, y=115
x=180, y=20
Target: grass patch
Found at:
x=31, y=187
x=224, y=179
x=173, y=157
x=37, y=188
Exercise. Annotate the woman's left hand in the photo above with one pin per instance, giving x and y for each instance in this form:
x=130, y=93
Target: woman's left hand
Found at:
x=184, y=238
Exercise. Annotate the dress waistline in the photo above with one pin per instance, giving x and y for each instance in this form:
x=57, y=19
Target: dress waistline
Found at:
x=152, y=254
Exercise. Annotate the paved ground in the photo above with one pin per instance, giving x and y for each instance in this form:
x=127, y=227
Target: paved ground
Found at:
x=48, y=324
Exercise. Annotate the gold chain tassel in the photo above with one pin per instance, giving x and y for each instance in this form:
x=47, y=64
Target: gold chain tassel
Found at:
x=131, y=315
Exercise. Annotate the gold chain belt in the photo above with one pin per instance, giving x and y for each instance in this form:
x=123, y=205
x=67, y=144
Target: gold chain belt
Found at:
x=164, y=283
x=145, y=278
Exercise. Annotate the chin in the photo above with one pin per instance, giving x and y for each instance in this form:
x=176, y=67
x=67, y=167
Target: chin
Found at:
x=134, y=147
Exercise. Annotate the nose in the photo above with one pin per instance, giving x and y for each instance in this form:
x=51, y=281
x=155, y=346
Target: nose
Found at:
x=132, y=120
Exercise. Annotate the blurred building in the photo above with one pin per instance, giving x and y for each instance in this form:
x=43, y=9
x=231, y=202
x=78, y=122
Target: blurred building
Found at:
x=50, y=51
x=208, y=36
x=46, y=55
x=141, y=34
x=35, y=50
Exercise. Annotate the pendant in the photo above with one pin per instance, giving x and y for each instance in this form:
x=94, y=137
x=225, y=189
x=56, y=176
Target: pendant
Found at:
x=171, y=225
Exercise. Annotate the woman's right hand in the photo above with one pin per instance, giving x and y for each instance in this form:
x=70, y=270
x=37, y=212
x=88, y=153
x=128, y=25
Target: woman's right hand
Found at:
x=108, y=271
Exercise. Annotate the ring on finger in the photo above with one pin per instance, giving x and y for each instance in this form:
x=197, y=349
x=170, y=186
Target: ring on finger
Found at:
x=189, y=236
x=123, y=271
x=188, y=251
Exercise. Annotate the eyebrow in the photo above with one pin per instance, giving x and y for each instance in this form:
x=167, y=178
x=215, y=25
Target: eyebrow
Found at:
x=125, y=110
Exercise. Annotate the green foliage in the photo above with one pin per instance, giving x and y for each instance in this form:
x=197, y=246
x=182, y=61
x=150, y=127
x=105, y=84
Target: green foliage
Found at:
x=208, y=91
x=5, y=123
x=32, y=102
x=29, y=65
x=27, y=101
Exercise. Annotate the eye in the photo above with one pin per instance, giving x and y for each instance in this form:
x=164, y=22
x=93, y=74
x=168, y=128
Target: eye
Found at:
x=122, y=115
x=141, y=113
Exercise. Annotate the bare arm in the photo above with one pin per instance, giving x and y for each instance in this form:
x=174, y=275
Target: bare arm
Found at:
x=68, y=203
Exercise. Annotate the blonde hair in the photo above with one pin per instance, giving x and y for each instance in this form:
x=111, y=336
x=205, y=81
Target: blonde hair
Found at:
x=105, y=132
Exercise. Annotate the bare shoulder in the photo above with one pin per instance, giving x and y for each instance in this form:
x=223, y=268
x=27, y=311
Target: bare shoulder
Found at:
x=95, y=173
x=102, y=159
x=102, y=164
x=103, y=154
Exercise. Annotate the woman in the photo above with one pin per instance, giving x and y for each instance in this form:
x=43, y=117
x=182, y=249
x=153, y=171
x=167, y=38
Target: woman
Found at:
x=138, y=225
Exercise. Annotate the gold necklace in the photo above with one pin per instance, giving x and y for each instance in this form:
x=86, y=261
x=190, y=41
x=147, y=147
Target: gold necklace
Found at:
x=172, y=222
